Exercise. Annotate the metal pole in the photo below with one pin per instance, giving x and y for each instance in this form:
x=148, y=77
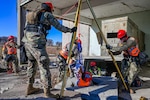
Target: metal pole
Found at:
x=102, y=35
x=70, y=49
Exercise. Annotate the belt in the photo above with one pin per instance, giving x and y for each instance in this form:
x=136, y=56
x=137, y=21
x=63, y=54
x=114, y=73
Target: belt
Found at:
x=31, y=28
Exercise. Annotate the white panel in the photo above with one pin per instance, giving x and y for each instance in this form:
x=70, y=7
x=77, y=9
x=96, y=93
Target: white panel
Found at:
x=94, y=49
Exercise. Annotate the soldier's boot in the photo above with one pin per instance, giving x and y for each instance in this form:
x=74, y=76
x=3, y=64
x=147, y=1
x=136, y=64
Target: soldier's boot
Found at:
x=9, y=71
x=31, y=89
x=48, y=94
x=132, y=91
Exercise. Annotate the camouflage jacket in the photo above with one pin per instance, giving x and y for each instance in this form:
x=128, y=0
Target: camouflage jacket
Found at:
x=34, y=35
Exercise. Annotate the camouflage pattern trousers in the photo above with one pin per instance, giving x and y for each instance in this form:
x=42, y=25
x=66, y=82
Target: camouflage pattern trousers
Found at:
x=133, y=70
x=15, y=64
x=38, y=57
x=12, y=60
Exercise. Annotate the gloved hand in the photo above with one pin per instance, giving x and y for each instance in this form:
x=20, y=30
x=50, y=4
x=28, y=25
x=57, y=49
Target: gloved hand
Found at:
x=72, y=54
x=74, y=29
x=110, y=52
x=108, y=46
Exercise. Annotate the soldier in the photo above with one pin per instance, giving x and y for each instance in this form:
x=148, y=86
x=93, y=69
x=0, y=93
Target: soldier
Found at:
x=63, y=55
x=9, y=52
x=94, y=69
x=38, y=24
x=129, y=46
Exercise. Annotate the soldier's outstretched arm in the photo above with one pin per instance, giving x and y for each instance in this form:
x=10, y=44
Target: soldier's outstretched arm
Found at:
x=53, y=21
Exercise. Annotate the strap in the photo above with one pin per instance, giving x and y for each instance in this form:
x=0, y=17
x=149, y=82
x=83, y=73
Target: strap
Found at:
x=75, y=5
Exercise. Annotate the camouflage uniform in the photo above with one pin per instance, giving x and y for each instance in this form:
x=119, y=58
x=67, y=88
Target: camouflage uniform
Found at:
x=61, y=61
x=74, y=50
x=35, y=45
x=132, y=68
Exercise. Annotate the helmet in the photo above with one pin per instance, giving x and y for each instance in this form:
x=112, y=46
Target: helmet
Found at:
x=92, y=63
x=50, y=5
x=78, y=41
x=121, y=34
x=10, y=37
x=87, y=76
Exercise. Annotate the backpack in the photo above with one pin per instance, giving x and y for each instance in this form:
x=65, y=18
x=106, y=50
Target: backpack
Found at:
x=143, y=58
x=36, y=17
x=32, y=16
x=133, y=51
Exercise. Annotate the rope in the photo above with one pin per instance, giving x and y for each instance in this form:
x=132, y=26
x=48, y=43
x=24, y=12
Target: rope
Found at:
x=79, y=29
x=75, y=5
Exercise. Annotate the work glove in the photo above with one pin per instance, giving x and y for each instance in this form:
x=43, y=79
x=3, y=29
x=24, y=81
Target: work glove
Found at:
x=110, y=52
x=74, y=29
x=72, y=55
x=108, y=46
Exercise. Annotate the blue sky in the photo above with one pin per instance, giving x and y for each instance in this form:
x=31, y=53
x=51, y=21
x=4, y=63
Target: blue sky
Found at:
x=8, y=21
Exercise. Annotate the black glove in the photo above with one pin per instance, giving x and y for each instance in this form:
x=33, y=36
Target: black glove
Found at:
x=74, y=29
x=108, y=46
x=110, y=52
x=72, y=55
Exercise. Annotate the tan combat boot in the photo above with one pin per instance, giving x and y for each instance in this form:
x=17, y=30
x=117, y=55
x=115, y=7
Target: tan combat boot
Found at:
x=143, y=98
x=48, y=94
x=31, y=89
x=132, y=91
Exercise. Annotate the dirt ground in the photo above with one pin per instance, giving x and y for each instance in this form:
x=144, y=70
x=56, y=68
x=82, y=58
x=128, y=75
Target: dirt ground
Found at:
x=14, y=87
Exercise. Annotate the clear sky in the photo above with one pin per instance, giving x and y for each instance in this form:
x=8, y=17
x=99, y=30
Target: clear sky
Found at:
x=8, y=21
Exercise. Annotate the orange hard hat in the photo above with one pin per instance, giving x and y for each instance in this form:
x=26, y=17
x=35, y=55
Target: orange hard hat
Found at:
x=64, y=54
x=50, y=5
x=10, y=37
x=121, y=34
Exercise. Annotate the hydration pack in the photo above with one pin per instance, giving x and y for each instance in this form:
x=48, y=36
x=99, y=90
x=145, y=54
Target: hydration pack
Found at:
x=36, y=17
x=32, y=16
x=133, y=51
